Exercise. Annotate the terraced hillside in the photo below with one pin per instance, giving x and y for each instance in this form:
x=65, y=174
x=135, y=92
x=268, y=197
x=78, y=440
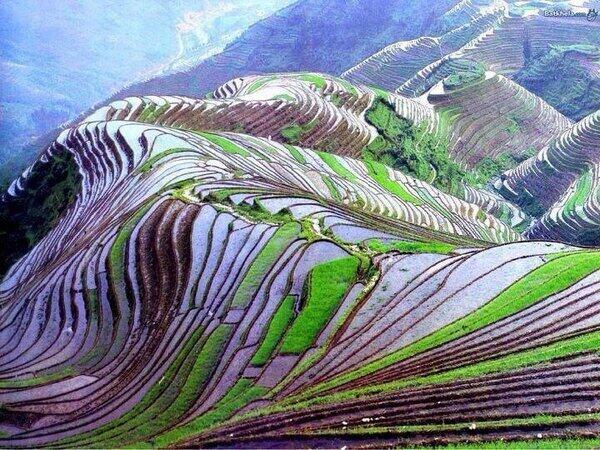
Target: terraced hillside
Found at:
x=560, y=184
x=329, y=114
x=299, y=260
x=513, y=39
x=492, y=116
x=393, y=65
x=309, y=35
x=307, y=109
x=566, y=76
x=210, y=287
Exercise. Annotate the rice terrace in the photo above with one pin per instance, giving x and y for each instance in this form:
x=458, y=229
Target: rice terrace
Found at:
x=347, y=224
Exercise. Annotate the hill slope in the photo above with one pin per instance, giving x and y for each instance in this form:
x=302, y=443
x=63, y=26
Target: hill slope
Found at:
x=514, y=39
x=560, y=185
x=319, y=35
x=329, y=114
x=199, y=277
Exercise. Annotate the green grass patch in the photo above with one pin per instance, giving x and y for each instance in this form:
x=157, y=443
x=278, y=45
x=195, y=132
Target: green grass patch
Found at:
x=61, y=374
x=331, y=187
x=294, y=132
x=261, y=265
x=286, y=97
x=379, y=173
x=149, y=164
x=327, y=284
x=349, y=88
x=222, y=195
x=225, y=144
x=380, y=94
x=242, y=393
x=411, y=148
x=581, y=192
x=161, y=415
x=411, y=247
x=298, y=156
x=257, y=213
x=152, y=112
x=334, y=163
x=465, y=72
x=277, y=327
x=116, y=255
x=336, y=99
x=151, y=401
x=148, y=109
x=256, y=85
x=512, y=127
x=317, y=80
x=531, y=444
x=92, y=304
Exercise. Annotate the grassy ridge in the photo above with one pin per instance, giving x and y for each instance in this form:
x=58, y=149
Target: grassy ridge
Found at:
x=242, y=393
x=379, y=173
x=411, y=247
x=178, y=398
x=333, y=162
x=588, y=342
x=150, y=400
x=225, y=144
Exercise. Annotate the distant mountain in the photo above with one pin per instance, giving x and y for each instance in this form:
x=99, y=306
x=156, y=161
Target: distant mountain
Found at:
x=316, y=35
x=554, y=57
x=59, y=57
x=566, y=76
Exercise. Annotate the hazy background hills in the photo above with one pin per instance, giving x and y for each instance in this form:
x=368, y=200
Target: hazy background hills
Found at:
x=59, y=57
x=54, y=70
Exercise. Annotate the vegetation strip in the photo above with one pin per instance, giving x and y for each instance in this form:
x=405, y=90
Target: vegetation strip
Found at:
x=335, y=165
x=242, y=393
x=379, y=173
x=261, y=265
x=277, y=327
x=327, y=284
x=186, y=391
x=148, y=401
x=585, y=343
x=225, y=144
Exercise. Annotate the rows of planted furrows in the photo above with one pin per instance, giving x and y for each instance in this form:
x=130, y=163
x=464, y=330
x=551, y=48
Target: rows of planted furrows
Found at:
x=501, y=49
x=562, y=180
x=306, y=109
x=493, y=116
x=326, y=113
x=222, y=289
x=493, y=203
